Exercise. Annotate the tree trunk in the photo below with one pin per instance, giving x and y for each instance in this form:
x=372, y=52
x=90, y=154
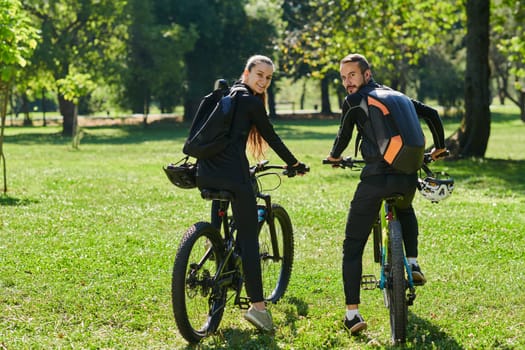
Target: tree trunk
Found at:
x=472, y=138
x=25, y=110
x=190, y=108
x=325, y=97
x=4, y=100
x=271, y=101
x=522, y=104
x=67, y=109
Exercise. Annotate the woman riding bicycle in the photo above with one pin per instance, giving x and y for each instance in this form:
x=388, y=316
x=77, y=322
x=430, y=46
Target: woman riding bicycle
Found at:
x=378, y=179
x=229, y=170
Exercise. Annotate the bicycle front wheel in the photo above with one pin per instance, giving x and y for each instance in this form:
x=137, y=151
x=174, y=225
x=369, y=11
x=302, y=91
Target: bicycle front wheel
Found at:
x=276, y=252
x=198, y=303
x=396, y=291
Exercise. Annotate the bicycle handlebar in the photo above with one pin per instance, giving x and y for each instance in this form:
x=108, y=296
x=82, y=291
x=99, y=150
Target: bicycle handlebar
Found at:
x=264, y=166
x=348, y=162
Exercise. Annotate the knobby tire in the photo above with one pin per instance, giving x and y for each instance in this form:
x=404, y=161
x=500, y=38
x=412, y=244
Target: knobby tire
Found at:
x=198, y=303
x=276, y=267
x=397, y=289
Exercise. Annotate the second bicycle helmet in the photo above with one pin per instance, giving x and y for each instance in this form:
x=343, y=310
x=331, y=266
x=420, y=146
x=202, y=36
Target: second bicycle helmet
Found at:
x=436, y=187
x=182, y=175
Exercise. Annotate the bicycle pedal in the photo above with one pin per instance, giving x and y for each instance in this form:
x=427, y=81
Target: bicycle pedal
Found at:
x=369, y=282
x=411, y=296
x=244, y=303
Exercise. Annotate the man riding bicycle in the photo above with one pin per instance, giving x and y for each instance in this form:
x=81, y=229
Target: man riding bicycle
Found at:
x=378, y=180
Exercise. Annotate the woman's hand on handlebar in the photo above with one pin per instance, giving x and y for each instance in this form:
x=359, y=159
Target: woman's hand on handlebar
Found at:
x=297, y=169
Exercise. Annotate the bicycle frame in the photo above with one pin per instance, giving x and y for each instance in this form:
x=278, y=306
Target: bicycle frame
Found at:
x=395, y=276
x=271, y=224
x=231, y=266
x=387, y=214
x=226, y=271
x=208, y=265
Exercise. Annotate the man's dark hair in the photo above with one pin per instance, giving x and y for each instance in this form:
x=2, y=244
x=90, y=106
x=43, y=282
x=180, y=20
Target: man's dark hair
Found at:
x=355, y=57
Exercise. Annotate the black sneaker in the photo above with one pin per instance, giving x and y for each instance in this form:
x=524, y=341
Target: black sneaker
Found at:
x=417, y=276
x=356, y=325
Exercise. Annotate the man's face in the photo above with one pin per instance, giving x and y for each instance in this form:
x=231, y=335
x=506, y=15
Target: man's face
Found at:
x=352, y=78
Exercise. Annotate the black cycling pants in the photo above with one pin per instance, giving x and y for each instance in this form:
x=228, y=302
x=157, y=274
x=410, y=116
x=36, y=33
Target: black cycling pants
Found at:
x=363, y=213
x=244, y=208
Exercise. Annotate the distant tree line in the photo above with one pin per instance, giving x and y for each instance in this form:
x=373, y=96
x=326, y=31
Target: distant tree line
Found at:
x=135, y=54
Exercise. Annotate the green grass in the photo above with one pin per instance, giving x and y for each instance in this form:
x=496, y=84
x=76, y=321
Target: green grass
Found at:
x=88, y=238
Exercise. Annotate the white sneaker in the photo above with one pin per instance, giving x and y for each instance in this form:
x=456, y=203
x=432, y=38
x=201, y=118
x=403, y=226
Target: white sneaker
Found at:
x=260, y=319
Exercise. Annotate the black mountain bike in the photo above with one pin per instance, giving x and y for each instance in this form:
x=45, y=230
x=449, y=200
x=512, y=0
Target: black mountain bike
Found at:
x=208, y=263
x=395, y=275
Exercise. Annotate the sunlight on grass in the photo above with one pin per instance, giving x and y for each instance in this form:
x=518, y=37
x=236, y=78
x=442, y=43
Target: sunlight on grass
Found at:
x=88, y=238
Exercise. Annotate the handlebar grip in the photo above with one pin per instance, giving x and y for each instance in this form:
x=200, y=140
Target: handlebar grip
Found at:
x=293, y=172
x=335, y=162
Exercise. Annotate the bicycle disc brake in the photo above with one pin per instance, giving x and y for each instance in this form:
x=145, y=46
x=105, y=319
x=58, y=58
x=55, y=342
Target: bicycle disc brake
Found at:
x=197, y=282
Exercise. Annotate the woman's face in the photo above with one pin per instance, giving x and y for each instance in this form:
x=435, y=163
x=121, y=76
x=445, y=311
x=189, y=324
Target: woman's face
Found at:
x=259, y=78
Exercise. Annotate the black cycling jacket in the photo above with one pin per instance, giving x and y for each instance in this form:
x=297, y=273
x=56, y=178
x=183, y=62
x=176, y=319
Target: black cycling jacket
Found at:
x=354, y=104
x=232, y=164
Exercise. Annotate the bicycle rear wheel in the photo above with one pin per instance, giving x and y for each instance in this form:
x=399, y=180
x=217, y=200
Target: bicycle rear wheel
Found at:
x=198, y=304
x=276, y=254
x=396, y=290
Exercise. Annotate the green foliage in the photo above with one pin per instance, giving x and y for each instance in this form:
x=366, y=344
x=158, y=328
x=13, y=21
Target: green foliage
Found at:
x=79, y=39
x=18, y=38
x=88, y=240
x=441, y=79
x=508, y=48
x=228, y=35
x=155, y=63
x=393, y=35
x=75, y=85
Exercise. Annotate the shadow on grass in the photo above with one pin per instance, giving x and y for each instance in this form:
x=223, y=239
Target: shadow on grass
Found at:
x=169, y=129
x=421, y=334
x=14, y=202
x=236, y=339
x=292, y=315
x=476, y=172
x=424, y=334
x=156, y=131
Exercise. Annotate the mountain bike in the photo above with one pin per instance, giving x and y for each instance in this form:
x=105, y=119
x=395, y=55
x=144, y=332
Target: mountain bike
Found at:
x=208, y=263
x=395, y=274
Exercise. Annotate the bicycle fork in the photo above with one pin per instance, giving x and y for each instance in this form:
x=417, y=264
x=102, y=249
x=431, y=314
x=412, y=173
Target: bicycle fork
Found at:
x=275, y=254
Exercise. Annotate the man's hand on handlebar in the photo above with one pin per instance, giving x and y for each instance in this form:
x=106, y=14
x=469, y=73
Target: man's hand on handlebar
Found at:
x=334, y=161
x=438, y=153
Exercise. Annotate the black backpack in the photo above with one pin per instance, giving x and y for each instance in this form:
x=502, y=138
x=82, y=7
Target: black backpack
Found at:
x=396, y=127
x=210, y=129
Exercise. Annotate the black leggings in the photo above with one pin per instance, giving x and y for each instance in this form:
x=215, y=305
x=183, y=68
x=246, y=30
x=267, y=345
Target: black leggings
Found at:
x=361, y=217
x=244, y=208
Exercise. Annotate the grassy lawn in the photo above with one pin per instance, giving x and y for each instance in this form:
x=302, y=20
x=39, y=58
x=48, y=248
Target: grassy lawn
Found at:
x=88, y=238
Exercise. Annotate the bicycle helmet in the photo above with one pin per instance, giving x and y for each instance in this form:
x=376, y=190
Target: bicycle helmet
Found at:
x=436, y=187
x=182, y=175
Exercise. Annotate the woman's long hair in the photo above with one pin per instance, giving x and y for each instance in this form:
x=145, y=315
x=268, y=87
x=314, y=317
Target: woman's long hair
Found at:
x=256, y=144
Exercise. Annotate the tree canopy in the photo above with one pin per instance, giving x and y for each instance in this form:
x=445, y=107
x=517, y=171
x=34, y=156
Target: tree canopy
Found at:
x=168, y=53
x=82, y=44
